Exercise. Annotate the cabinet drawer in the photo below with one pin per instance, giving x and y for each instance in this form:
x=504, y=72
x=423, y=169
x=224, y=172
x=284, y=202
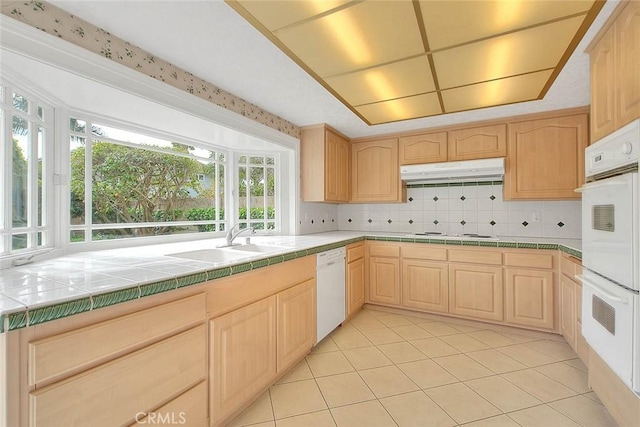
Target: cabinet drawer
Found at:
x=476, y=256
x=355, y=251
x=189, y=409
x=384, y=249
x=570, y=266
x=529, y=259
x=71, y=351
x=243, y=289
x=113, y=393
x=422, y=251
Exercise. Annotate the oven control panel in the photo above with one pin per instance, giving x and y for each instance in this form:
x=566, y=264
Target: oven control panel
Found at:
x=619, y=149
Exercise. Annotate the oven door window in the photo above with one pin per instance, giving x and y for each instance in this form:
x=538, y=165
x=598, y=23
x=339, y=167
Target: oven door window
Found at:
x=608, y=210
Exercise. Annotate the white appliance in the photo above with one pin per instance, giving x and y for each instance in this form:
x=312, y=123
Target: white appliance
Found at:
x=610, y=252
x=330, y=284
x=467, y=170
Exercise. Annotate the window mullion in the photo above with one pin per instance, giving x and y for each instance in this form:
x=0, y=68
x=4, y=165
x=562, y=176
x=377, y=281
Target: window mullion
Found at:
x=88, y=183
x=32, y=183
x=7, y=160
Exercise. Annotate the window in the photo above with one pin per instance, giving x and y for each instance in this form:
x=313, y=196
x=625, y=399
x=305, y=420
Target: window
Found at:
x=25, y=216
x=125, y=184
x=257, y=192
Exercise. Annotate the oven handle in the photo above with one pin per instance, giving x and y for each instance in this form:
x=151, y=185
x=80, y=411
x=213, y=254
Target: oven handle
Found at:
x=604, y=292
x=592, y=185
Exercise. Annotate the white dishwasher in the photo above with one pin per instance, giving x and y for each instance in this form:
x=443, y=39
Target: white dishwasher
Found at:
x=330, y=281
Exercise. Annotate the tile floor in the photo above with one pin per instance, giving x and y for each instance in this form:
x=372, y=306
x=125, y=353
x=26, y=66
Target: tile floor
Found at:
x=388, y=369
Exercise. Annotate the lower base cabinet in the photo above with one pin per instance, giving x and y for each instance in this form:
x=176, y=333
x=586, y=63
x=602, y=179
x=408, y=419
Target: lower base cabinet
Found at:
x=243, y=352
x=425, y=285
x=251, y=345
x=476, y=291
x=529, y=297
x=296, y=332
x=568, y=315
x=384, y=280
x=355, y=286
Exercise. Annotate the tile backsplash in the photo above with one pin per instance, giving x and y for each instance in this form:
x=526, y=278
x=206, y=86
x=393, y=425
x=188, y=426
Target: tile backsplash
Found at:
x=469, y=208
x=317, y=217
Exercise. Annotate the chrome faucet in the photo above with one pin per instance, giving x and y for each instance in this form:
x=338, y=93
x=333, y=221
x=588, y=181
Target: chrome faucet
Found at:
x=231, y=235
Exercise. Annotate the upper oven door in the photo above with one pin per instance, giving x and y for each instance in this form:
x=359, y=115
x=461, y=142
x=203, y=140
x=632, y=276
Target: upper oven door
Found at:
x=608, y=228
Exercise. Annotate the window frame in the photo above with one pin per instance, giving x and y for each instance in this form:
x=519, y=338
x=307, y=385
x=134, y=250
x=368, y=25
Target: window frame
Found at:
x=88, y=227
x=277, y=196
x=47, y=209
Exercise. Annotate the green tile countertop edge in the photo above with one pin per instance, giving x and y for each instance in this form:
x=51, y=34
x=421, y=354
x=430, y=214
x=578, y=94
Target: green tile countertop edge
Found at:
x=30, y=317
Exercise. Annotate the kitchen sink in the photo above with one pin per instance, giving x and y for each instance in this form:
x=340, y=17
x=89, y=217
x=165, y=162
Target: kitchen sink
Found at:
x=256, y=248
x=211, y=255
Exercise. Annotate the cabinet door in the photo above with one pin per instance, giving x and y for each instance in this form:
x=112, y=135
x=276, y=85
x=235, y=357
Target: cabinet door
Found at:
x=476, y=291
x=478, y=143
x=425, y=285
x=336, y=168
x=243, y=352
x=568, y=314
x=529, y=297
x=375, y=171
x=546, y=158
x=602, y=84
x=425, y=148
x=384, y=280
x=355, y=286
x=296, y=332
x=627, y=37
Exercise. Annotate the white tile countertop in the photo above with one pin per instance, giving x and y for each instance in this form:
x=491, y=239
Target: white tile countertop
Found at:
x=80, y=279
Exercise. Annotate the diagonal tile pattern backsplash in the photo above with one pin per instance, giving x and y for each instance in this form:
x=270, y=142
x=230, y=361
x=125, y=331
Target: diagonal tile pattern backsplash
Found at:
x=469, y=208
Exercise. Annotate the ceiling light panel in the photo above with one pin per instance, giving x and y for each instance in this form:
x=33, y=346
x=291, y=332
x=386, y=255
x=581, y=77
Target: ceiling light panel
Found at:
x=390, y=81
x=535, y=49
x=497, y=92
x=401, y=109
x=360, y=36
x=278, y=14
x=449, y=23
x=397, y=60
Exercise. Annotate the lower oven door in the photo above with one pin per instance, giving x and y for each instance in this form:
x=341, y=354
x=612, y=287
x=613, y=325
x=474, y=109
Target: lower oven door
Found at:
x=608, y=324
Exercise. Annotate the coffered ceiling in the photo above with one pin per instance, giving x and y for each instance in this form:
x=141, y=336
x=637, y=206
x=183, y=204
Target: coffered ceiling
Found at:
x=389, y=61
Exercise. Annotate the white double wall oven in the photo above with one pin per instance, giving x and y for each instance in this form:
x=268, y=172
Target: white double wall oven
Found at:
x=611, y=252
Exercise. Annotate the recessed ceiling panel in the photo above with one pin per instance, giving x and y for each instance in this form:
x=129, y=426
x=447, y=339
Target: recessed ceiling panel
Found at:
x=398, y=60
x=401, y=109
x=360, y=36
x=396, y=80
x=278, y=14
x=497, y=92
x=449, y=23
x=525, y=51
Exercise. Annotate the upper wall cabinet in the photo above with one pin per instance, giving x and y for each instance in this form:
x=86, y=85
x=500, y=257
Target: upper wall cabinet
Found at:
x=376, y=172
x=424, y=148
x=615, y=80
x=324, y=158
x=545, y=158
x=478, y=143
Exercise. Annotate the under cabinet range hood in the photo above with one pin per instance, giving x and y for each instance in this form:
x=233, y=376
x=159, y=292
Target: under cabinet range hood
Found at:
x=466, y=171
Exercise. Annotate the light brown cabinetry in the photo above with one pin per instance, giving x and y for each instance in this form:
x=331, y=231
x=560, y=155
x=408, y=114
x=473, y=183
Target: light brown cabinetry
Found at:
x=570, y=302
x=424, y=148
x=545, y=158
x=615, y=81
x=296, y=323
x=425, y=278
x=383, y=273
x=529, y=297
x=355, y=278
x=264, y=322
x=324, y=164
x=478, y=142
x=476, y=291
x=96, y=375
x=243, y=355
x=376, y=172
